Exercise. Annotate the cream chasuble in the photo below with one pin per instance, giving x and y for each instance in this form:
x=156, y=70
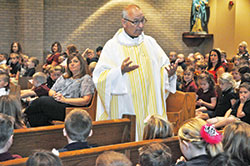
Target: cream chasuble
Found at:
x=142, y=91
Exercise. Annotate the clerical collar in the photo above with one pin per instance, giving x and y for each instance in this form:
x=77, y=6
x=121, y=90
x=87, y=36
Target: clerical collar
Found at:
x=133, y=37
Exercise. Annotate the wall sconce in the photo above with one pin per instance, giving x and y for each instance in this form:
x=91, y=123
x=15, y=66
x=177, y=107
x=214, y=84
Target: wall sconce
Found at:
x=231, y=3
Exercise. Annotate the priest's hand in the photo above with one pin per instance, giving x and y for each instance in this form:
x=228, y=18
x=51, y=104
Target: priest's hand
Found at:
x=127, y=67
x=171, y=69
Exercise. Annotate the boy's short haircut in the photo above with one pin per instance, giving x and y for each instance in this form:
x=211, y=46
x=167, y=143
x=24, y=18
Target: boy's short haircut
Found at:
x=6, y=129
x=5, y=77
x=43, y=158
x=78, y=125
x=99, y=49
x=40, y=77
x=112, y=158
x=72, y=49
x=5, y=55
x=34, y=60
x=155, y=154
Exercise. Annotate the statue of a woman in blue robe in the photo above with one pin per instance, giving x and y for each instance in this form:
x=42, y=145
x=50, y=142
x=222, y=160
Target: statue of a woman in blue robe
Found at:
x=198, y=15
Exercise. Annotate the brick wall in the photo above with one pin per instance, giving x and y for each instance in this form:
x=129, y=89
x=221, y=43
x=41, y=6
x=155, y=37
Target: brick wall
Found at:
x=37, y=24
x=8, y=10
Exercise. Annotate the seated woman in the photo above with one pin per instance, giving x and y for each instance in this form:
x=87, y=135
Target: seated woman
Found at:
x=52, y=59
x=214, y=64
x=75, y=88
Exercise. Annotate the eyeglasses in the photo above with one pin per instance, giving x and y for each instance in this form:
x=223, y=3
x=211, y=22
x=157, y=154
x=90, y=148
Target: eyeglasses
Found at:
x=137, y=22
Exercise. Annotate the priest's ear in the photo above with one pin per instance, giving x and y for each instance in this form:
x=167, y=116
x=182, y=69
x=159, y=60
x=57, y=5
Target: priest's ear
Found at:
x=124, y=23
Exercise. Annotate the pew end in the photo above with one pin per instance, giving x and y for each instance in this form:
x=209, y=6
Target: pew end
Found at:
x=91, y=109
x=180, y=107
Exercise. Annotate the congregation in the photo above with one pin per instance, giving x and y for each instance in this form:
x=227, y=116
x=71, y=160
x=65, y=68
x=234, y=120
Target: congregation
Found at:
x=217, y=135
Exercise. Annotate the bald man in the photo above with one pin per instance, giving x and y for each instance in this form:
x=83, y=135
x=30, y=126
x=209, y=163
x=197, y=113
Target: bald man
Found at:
x=133, y=75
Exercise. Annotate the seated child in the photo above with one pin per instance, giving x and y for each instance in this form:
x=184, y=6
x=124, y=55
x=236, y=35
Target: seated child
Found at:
x=112, y=158
x=239, y=111
x=241, y=108
x=6, y=137
x=236, y=140
x=77, y=129
x=172, y=56
x=15, y=67
x=189, y=83
x=236, y=60
x=236, y=76
x=224, y=60
x=3, y=58
x=54, y=74
x=225, y=101
x=4, y=84
x=155, y=154
x=43, y=158
x=31, y=67
x=24, y=63
x=40, y=88
x=179, y=74
x=200, y=67
x=157, y=127
x=198, y=142
x=181, y=63
x=206, y=95
x=199, y=57
x=11, y=105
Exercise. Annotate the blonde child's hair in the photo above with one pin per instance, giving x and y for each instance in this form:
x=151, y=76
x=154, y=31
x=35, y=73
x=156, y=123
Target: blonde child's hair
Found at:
x=47, y=69
x=40, y=77
x=201, y=65
x=190, y=132
x=227, y=77
x=179, y=71
x=56, y=68
x=157, y=127
x=15, y=54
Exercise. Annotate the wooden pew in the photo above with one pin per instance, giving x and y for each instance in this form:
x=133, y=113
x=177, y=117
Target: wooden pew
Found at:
x=104, y=133
x=87, y=157
x=180, y=107
x=90, y=109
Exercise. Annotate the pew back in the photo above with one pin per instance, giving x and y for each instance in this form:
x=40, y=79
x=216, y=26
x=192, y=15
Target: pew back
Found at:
x=88, y=157
x=49, y=137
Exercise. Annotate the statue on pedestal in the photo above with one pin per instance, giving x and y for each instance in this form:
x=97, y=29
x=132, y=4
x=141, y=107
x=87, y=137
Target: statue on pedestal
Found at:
x=199, y=19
